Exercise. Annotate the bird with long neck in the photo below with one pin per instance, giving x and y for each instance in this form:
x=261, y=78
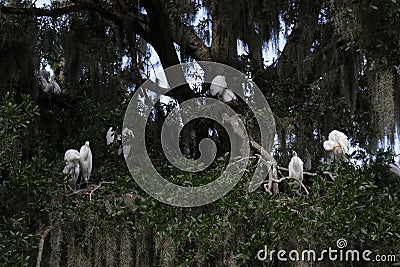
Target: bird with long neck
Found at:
x=296, y=168
x=86, y=161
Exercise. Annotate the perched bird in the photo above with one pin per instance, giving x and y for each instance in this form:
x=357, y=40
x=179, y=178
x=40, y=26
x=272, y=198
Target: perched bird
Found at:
x=72, y=158
x=220, y=87
x=110, y=136
x=338, y=143
x=86, y=161
x=49, y=87
x=296, y=168
x=127, y=132
x=228, y=96
x=126, y=148
x=394, y=169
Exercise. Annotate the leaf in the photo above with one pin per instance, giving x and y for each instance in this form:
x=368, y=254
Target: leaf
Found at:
x=374, y=7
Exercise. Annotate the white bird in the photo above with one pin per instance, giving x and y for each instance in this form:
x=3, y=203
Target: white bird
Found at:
x=220, y=87
x=72, y=158
x=296, y=168
x=50, y=87
x=127, y=132
x=126, y=148
x=394, y=169
x=338, y=143
x=86, y=161
x=228, y=96
x=110, y=136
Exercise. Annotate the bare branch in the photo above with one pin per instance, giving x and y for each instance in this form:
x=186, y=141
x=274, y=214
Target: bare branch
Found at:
x=306, y=173
x=286, y=178
x=45, y=12
x=41, y=245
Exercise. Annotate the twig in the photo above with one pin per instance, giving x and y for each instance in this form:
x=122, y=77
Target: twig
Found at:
x=98, y=187
x=330, y=175
x=94, y=189
x=267, y=189
x=287, y=177
x=41, y=244
x=306, y=173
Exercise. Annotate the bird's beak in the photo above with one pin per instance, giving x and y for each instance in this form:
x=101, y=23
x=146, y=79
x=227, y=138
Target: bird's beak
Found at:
x=87, y=145
x=333, y=147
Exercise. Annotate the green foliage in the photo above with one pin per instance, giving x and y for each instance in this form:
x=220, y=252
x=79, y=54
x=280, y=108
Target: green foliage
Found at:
x=24, y=188
x=15, y=242
x=361, y=205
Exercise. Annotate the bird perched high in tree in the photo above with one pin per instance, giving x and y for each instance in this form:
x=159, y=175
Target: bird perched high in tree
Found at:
x=72, y=158
x=86, y=161
x=219, y=88
x=296, y=168
x=52, y=86
x=338, y=143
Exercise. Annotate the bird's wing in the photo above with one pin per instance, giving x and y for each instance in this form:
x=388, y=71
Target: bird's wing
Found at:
x=291, y=168
x=44, y=84
x=343, y=141
x=218, y=84
x=296, y=168
x=44, y=74
x=394, y=169
x=83, y=153
x=71, y=155
x=228, y=95
x=110, y=136
x=90, y=161
x=56, y=88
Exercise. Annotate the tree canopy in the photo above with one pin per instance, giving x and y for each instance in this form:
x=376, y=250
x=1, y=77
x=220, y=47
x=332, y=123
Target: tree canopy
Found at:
x=322, y=65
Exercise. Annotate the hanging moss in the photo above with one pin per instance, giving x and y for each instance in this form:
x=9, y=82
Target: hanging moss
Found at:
x=382, y=101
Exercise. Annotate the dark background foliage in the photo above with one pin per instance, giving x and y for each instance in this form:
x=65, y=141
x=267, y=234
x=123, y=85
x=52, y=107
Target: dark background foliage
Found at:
x=337, y=70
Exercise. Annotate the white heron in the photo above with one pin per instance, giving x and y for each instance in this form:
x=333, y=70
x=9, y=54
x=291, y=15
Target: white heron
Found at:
x=72, y=158
x=86, y=161
x=338, y=143
x=110, y=136
x=51, y=86
x=127, y=132
x=296, y=168
x=394, y=169
x=126, y=148
x=220, y=87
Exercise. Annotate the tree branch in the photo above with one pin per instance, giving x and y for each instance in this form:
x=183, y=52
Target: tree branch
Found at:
x=46, y=12
x=41, y=245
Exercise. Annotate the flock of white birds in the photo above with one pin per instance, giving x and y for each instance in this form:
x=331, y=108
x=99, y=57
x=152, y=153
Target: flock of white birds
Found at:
x=337, y=143
x=81, y=162
x=78, y=160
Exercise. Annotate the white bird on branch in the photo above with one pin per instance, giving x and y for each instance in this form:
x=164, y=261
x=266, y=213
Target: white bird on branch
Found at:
x=338, y=143
x=72, y=158
x=296, y=168
x=220, y=87
x=127, y=134
x=86, y=161
x=110, y=136
x=394, y=169
x=49, y=87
